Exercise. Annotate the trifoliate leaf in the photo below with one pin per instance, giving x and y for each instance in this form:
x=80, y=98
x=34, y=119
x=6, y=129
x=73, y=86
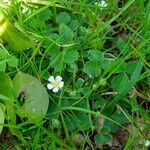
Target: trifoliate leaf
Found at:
x=63, y=18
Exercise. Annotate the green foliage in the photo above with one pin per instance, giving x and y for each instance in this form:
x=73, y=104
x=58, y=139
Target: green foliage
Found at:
x=101, y=53
x=63, y=18
x=71, y=55
x=11, y=60
x=35, y=96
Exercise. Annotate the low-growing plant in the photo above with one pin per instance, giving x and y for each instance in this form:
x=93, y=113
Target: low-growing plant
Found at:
x=74, y=74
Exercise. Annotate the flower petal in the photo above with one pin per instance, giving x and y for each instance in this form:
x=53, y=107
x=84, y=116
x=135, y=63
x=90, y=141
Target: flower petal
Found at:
x=50, y=86
x=55, y=90
x=51, y=79
x=61, y=84
x=58, y=78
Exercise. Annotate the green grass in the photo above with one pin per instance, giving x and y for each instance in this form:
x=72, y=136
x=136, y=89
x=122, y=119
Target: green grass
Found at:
x=102, y=55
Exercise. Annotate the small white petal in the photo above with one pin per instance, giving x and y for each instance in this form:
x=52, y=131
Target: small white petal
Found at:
x=103, y=4
x=55, y=90
x=50, y=86
x=58, y=78
x=51, y=79
x=61, y=84
x=147, y=143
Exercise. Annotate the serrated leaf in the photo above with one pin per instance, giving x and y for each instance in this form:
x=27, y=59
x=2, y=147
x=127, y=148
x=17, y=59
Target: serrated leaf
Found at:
x=63, y=18
x=36, y=97
x=13, y=61
x=74, y=24
x=92, y=68
x=123, y=46
x=96, y=55
x=120, y=83
x=56, y=62
x=66, y=34
x=71, y=55
x=116, y=65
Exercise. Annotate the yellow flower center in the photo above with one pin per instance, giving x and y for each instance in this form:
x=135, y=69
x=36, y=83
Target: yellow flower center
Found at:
x=56, y=84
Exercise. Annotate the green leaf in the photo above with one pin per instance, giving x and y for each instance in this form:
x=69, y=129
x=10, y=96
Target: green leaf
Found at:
x=53, y=49
x=16, y=40
x=63, y=18
x=116, y=65
x=120, y=83
x=6, y=89
x=92, y=68
x=2, y=116
x=102, y=138
x=39, y=21
x=136, y=74
x=123, y=46
x=6, y=86
x=74, y=24
x=13, y=61
x=36, y=98
x=96, y=55
x=66, y=35
x=79, y=83
x=119, y=118
x=71, y=55
x=56, y=62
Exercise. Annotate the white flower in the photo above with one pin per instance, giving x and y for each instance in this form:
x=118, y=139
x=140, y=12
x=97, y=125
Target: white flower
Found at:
x=55, y=83
x=102, y=3
x=147, y=143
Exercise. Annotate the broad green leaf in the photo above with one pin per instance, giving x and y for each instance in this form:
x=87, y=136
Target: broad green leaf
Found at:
x=2, y=116
x=92, y=68
x=16, y=40
x=36, y=98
